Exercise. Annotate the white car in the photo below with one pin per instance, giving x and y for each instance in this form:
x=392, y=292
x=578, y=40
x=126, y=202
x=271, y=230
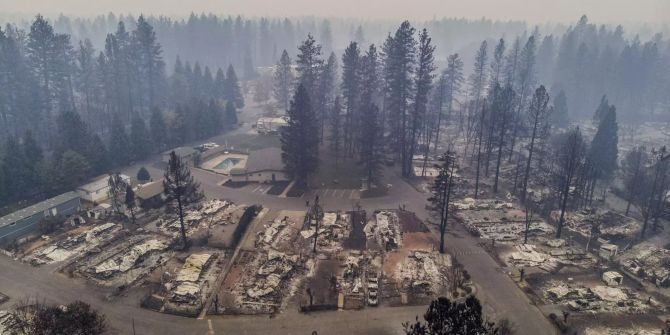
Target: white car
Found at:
x=373, y=288
x=373, y=283
x=372, y=298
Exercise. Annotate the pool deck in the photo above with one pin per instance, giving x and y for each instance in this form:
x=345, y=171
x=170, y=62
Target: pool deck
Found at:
x=212, y=163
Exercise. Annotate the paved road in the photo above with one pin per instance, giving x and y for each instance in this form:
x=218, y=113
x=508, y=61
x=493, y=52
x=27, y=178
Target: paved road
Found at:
x=501, y=296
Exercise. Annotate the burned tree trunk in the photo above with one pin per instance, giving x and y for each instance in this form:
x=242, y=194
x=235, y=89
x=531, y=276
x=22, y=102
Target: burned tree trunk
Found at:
x=479, y=148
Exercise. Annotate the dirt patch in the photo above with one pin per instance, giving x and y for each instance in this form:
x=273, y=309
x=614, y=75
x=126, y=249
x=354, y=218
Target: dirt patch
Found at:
x=411, y=242
x=421, y=240
x=225, y=295
x=320, y=284
x=356, y=239
x=236, y=270
x=410, y=223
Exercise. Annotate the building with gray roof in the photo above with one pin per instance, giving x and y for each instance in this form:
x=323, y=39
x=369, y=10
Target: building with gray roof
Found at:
x=25, y=221
x=263, y=166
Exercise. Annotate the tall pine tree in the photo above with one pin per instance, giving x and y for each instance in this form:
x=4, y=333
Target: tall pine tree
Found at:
x=336, y=130
x=181, y=190
x=399, y=64
x=423, y=84
x=283, y=81
x=372, y=153
x=299, y=139
x=119, y=145
x=159, y=133
x=309, y=64
x=350, y=88
x=604, y=147
x=231, y=89
x=149, y=63
x=140, y=139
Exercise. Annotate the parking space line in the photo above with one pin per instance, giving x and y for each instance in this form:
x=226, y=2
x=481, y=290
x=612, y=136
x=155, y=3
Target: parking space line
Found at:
x=351, y=194
x=210, y=331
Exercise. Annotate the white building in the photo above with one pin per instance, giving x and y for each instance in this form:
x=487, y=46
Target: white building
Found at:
x=263, y=166
x=98, y=190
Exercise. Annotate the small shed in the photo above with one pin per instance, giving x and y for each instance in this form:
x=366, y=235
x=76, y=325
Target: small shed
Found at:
x=98, y=190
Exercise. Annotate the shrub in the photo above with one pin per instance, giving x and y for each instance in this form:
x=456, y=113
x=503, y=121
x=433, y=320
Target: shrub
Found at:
x=143, y=175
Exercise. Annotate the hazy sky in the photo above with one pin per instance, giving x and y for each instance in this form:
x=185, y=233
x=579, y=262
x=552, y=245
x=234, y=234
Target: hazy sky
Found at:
x=603, y=11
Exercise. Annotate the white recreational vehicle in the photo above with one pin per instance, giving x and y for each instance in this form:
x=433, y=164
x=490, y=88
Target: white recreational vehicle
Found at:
x=270, y=125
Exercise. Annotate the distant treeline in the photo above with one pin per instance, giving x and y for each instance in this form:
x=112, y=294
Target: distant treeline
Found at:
x=585, y=60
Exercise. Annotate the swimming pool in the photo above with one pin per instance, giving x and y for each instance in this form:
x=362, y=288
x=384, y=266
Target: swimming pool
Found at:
x=227, y=164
